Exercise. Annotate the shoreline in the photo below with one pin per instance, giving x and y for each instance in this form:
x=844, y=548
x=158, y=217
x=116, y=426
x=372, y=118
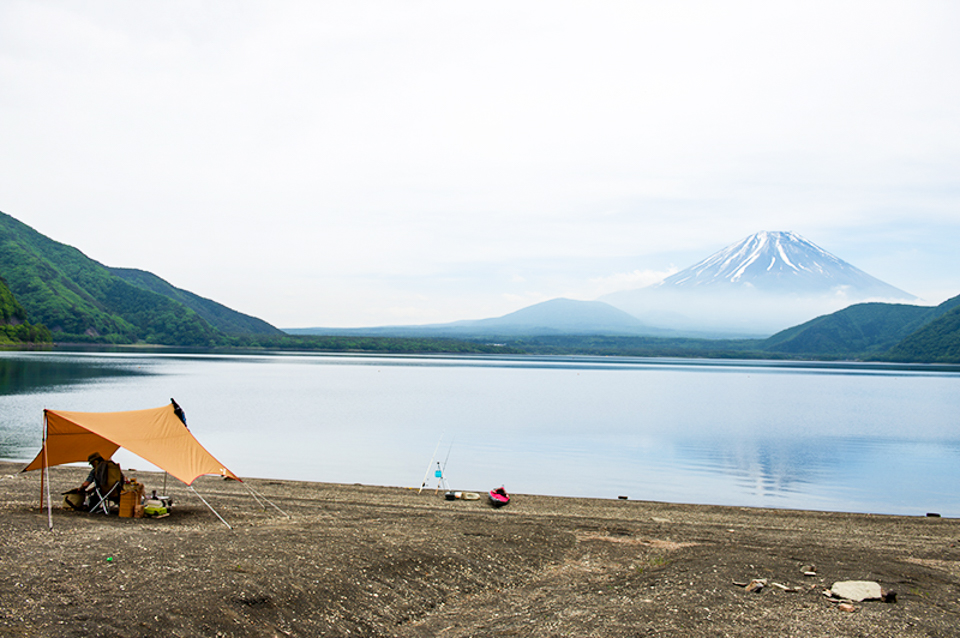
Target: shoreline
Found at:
x=385, y=561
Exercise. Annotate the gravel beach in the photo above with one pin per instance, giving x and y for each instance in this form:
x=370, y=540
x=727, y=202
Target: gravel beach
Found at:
x=357, y=560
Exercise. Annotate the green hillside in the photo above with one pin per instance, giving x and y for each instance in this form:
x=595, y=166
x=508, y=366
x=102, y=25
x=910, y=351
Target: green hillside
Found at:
x=80, y=300
x=217, y=315
x=858, y=329
x=936, y=342
x=862, y=330
x=14, y=328
x=10, y=309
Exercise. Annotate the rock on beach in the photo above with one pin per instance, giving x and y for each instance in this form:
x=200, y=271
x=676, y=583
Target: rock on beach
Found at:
x=857, y=590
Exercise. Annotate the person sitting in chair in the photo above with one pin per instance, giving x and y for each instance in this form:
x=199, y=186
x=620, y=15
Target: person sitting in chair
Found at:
x=106, y=476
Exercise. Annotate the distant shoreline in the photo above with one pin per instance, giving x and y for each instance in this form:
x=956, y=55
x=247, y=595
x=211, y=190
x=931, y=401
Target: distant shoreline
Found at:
x=773, y=361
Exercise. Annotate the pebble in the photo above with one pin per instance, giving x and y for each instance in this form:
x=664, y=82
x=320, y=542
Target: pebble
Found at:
x=757, y=584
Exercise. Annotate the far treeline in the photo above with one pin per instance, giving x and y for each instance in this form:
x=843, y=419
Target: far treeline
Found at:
x=879, y=332
x=53, y=293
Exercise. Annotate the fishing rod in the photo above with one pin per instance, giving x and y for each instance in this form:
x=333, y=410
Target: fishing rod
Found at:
x=430, y=464
x=443, y=468
x=448, y=452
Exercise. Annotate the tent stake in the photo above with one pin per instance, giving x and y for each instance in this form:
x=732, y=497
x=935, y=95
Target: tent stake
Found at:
x=210, y=506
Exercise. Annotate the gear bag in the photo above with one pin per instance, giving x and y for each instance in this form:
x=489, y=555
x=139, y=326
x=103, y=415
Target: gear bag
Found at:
x=106, y=476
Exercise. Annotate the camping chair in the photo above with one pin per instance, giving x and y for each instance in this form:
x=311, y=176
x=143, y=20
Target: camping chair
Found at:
x=108, y=481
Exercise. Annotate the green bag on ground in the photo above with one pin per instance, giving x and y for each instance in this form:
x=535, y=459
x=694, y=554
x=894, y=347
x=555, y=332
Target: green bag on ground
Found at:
x=75, y=500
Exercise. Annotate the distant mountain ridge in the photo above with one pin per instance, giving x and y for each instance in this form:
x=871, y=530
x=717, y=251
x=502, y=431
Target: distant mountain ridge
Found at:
x=556, y=316
x=563, y=315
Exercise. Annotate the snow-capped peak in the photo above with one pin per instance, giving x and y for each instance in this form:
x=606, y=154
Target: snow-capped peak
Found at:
x=779, y=262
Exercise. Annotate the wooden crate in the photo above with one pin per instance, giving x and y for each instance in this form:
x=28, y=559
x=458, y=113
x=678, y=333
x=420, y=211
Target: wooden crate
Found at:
x=129, y=499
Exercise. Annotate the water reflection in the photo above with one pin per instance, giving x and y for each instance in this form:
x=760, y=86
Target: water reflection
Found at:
x=871, y=474
x=26, y=372
x=763, y=466
x=27, y=376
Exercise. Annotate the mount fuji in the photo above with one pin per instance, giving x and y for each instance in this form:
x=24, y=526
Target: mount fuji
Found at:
x=781, y=262
x=757, y=286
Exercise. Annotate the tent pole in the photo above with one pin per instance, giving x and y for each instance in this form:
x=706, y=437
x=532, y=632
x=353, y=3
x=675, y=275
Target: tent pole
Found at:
x=45, y=472
x=208, y=505
x=255, y=495
x=43, y=449
x=49, y=502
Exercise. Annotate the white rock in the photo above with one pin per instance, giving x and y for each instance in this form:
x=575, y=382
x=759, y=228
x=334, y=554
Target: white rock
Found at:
x=857, y=590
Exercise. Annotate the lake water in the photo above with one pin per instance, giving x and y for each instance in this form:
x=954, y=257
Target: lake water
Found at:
x=865, y=438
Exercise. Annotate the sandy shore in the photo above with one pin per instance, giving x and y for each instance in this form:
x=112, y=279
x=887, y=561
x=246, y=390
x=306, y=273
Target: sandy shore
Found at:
x=356, y=560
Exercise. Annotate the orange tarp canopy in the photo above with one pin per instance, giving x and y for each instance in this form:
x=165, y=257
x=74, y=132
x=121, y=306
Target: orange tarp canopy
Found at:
x=156, y=435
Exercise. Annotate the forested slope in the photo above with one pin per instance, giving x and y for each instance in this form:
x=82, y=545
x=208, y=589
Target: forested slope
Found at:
x=222, y=318
x=79, y=299
x=14, y=328
x=936, y=342
x=868, y=330
x=858, y=329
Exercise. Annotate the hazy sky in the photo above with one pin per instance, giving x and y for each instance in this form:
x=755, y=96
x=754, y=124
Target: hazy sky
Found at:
x=373, y=163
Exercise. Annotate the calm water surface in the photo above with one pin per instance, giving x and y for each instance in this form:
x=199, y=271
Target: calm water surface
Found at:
x=867, y=438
